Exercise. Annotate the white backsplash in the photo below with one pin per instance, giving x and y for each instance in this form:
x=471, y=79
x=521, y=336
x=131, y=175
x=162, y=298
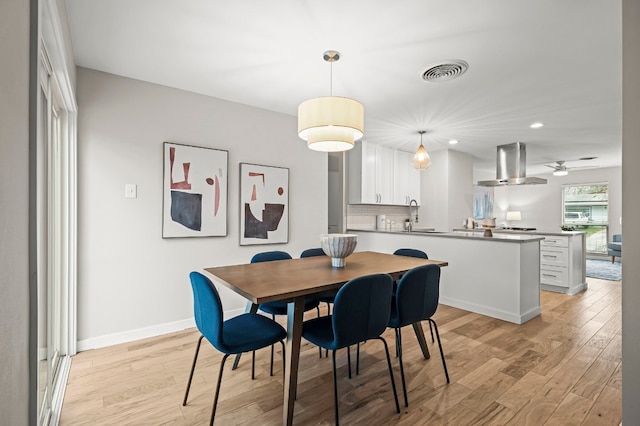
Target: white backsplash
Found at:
x=363, y=216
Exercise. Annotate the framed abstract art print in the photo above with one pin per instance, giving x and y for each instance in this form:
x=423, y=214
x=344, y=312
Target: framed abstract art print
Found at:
x=194, y=191
x=264, y=204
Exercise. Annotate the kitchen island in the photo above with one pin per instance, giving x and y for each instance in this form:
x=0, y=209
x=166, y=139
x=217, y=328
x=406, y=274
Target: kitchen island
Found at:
x=562, y=258
x=496, y=276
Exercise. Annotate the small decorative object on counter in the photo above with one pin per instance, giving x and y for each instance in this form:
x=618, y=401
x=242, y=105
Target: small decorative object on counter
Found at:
x=470, y=223
x=489, y=222
x=488, y=233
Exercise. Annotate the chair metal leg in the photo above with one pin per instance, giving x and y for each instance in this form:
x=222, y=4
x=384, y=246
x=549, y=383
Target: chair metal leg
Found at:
x=253, y=365
x=358, y=359
x=349, y=359
x=335, y=388
x=215, y=398
x=271, y=368
x=431, y=330
x=444, y=363
x=393, y=382
x=326, y=351
x=399, y=349
x=319, y=348
x=193, y=368
x=273, y=317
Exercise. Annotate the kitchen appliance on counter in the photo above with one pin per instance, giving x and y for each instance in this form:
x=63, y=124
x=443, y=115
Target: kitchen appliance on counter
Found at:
x=514, y=228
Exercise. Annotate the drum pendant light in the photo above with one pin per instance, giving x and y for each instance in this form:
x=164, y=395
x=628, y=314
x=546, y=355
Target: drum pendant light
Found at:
x=330, y=123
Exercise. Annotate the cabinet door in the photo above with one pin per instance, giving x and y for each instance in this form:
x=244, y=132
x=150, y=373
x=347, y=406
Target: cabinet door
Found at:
x=368, y=175
x=384, y=174
x=406, y=185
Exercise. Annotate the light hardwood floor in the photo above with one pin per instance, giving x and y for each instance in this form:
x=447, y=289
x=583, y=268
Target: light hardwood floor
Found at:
x=561, y=368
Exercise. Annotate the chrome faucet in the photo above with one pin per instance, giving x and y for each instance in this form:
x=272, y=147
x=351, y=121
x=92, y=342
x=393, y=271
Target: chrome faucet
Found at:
x=411, y=203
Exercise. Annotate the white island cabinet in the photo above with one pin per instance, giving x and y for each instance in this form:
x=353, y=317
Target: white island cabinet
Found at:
x=496, y=277
x=562, y=263
x=562, y=259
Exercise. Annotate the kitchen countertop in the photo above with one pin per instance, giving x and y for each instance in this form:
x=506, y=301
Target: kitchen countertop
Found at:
x=503, y=237
x=515, y=231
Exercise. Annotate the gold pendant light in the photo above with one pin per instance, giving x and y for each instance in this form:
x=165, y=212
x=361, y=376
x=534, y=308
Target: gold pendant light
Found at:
x=331, y=123
x=421, y=159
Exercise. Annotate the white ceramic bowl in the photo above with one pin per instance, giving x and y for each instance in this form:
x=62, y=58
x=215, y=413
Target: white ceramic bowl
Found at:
x=338, y=247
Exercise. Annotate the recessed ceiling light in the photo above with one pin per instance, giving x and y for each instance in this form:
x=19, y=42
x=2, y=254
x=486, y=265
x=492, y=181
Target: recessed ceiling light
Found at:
x=453, y=142
x=536, y=125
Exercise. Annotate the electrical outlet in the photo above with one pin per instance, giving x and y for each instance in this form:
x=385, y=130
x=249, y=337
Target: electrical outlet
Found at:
x=130, y=190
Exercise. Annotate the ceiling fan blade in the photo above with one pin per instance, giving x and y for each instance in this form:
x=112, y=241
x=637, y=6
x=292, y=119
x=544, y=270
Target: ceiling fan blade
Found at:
x=553, y=167
x=582, y=167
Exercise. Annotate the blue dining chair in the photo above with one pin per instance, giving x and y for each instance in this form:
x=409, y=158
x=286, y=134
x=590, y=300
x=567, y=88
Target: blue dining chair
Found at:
x=361, y=312
x=410, y=252
x=243, y=333
x=416, y=300
x=279, y=307
x=327, y=298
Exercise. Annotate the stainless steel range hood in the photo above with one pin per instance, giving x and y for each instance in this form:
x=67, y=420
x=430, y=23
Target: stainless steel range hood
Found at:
x=511, y=167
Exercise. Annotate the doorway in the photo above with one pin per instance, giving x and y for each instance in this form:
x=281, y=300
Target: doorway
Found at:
x=335, y=182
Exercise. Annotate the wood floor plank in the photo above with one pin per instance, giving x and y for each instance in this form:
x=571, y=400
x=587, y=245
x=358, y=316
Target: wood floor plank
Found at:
x=561, y=368
x=571, y=411
x=606, y=410
x=522, y=391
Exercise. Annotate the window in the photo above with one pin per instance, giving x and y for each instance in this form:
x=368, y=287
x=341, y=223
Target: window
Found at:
x=55, y=237
x=586, y=208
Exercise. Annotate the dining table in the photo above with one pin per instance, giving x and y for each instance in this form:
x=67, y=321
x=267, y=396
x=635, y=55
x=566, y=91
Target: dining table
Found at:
x=294, y=279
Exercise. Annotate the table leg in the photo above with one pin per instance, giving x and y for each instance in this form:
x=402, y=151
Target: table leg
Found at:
x=295, y=311
x=417, y=327
x=251, y=308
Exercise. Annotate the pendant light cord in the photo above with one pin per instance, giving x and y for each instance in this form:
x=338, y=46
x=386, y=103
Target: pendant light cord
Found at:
x=331, y=79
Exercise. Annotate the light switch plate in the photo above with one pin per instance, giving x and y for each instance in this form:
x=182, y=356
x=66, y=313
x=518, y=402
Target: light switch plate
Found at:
x=130, y=190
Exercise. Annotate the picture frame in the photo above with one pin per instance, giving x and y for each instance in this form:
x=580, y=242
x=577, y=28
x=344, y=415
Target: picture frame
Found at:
x=195, y=191
x=264, y=204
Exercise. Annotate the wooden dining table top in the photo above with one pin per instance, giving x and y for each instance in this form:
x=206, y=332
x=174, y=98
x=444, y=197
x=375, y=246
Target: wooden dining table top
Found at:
x=285, y=279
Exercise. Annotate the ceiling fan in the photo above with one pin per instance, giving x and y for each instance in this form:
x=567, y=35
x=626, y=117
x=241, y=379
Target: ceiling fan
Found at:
x=561, y=169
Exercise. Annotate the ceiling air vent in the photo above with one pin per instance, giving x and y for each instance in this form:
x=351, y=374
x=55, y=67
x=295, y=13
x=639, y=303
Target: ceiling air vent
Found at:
x=444, y=71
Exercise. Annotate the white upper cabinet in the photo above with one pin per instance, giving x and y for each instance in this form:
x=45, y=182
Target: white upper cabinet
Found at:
x=406, y=179
x=373, y=176
x=384, y=174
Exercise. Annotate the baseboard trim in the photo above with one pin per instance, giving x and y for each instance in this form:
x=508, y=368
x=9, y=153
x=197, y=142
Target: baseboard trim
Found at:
x=142, y=333
x=491, y=312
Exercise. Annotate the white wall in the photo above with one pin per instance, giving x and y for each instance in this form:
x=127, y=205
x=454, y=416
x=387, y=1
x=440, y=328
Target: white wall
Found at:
x=541, y=205
x=630, y=209
x=14, y=213
x=447, y=190
x=131, y=282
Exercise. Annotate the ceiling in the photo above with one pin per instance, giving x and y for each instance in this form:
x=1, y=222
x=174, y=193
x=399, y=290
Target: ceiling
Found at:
x=557, y=62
